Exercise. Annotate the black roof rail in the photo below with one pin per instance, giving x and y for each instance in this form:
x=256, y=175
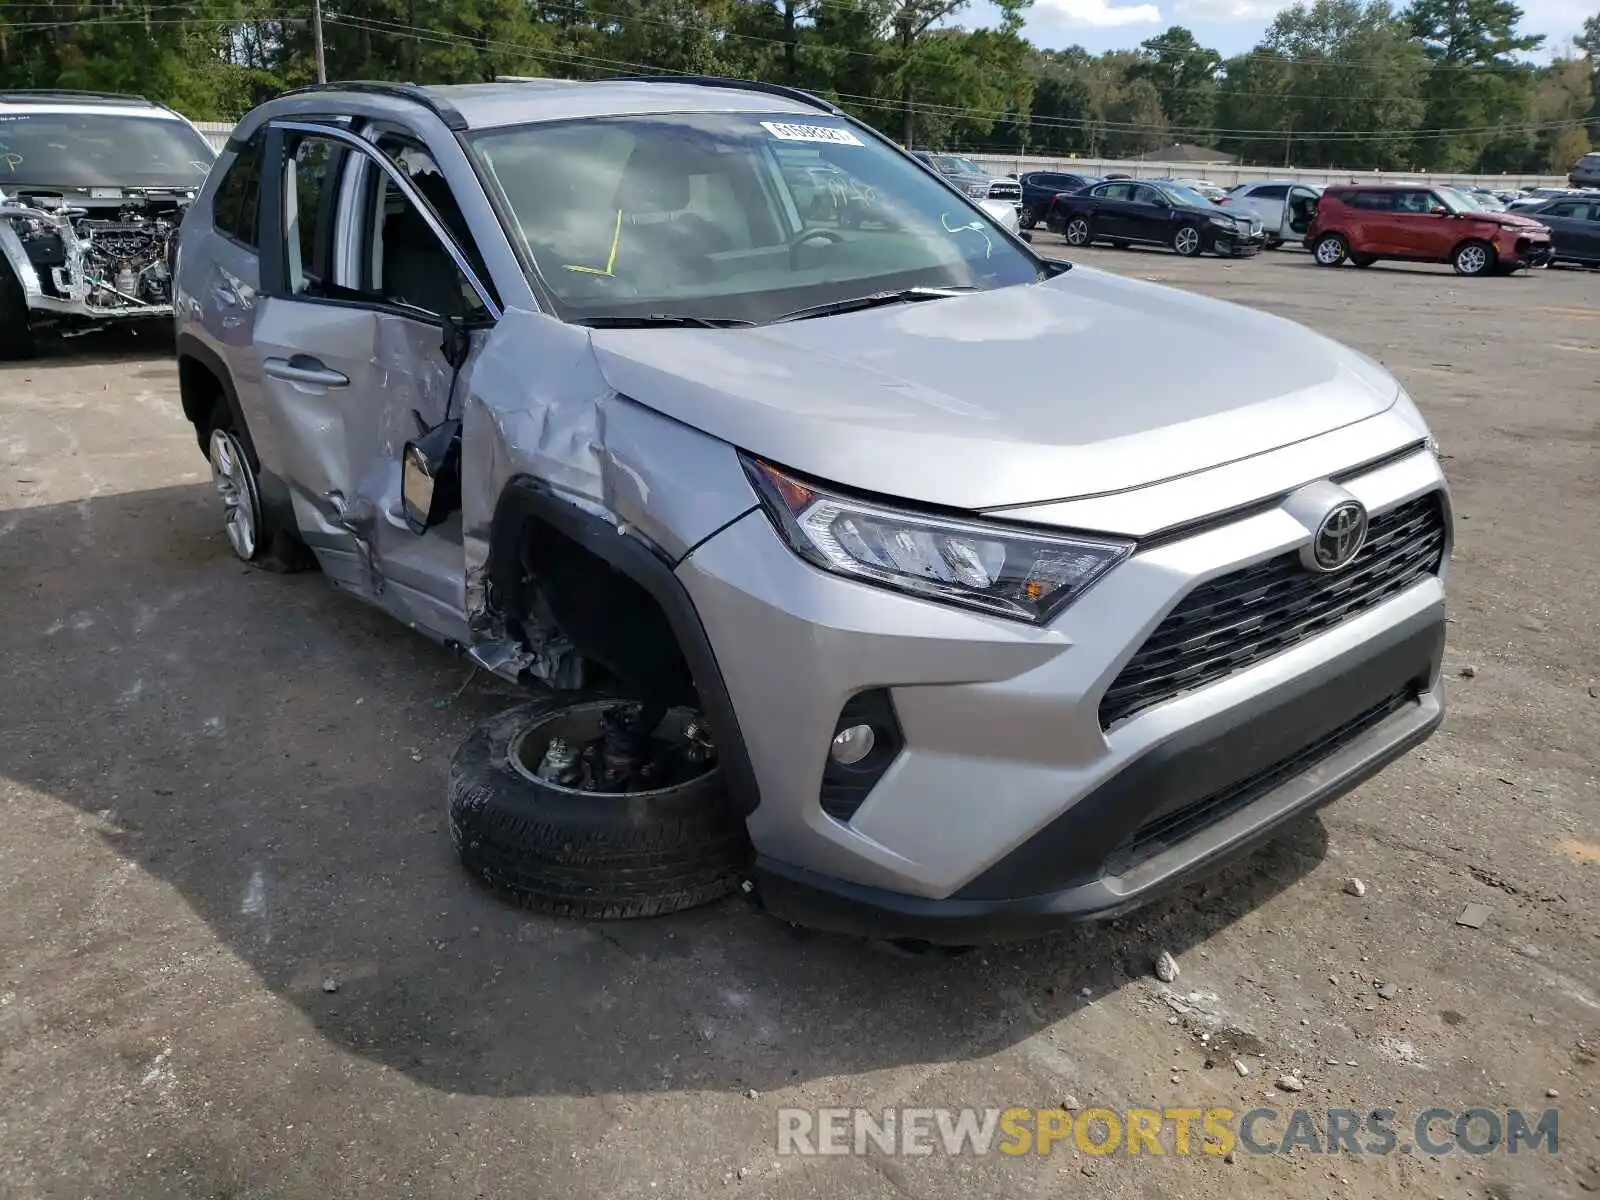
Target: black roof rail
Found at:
x=743, y=85
x=446, y=112
x=75, y=94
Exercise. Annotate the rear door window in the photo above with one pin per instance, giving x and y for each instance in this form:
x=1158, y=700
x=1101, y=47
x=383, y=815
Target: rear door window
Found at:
x=310, y=203
x=236, y=206
x=1270, y=191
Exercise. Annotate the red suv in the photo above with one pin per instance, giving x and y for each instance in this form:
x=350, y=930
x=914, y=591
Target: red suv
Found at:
x=1421, y=224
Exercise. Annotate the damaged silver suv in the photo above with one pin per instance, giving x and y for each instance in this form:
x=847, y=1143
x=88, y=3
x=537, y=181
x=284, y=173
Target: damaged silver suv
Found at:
x=911, y=583
x=92, y=187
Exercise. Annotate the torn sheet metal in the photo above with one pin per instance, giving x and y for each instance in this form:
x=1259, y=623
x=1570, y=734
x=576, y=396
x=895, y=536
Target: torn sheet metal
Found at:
x=539, y=403
x=535, y=405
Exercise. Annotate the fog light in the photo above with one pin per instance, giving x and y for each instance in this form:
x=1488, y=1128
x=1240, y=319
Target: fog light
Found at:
x=852, y=745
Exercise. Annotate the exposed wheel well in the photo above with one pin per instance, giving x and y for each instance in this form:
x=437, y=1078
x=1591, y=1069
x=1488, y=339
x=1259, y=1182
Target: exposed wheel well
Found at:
x=201, y=391
x=619, y=602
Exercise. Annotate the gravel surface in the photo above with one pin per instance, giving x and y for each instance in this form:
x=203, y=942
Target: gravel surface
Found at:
x=238, y=959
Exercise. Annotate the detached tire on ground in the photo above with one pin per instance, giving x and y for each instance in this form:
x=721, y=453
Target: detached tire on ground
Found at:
x=605, y=855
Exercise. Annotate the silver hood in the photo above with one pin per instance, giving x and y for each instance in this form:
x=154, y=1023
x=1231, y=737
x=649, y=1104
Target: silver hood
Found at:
x=1085, y=384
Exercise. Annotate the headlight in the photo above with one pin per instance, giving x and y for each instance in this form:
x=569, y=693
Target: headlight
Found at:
x=1018, y=573
x=1224, y=222
x=980, y=190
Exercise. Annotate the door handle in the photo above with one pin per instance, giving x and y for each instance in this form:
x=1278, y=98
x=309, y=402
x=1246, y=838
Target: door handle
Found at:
x=302, y=368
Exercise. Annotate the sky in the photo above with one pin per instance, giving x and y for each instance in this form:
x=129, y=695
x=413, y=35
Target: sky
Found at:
x=1227, y=26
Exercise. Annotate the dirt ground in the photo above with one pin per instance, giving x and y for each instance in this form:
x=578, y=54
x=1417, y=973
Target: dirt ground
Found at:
x=238, y=959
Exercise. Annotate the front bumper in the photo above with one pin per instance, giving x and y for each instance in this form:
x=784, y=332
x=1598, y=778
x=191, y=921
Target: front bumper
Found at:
x=1245, y=246
x=1531, y=252
x=1189, y=805
x=1008, y=807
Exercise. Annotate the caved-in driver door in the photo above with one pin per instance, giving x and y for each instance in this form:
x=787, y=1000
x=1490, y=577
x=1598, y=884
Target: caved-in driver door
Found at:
x=351, y=336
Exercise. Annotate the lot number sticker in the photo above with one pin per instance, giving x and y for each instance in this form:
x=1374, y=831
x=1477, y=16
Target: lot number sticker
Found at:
x=785, y=131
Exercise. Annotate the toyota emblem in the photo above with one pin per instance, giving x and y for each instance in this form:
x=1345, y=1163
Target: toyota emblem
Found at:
x=1340, y=536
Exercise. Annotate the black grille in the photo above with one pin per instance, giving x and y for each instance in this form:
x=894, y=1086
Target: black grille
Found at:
x=1238, y=620
x=1171, y=828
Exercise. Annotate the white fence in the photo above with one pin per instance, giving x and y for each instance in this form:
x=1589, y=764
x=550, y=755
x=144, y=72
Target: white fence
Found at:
x=1227, y=175
x=217, y=134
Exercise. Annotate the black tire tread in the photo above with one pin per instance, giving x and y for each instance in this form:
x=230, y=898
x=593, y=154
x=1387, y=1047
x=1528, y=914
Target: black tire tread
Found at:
x=589, y=856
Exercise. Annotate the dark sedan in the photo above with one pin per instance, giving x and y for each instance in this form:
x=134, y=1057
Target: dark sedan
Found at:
x=1125, y=212
x=1040, y=188
x=1574, y=223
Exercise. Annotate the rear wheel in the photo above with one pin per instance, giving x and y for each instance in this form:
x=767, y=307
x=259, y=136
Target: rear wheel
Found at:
x=1274, y=243
x=1330, y=250
x=16, y=338
x=254, y=535
x=1186, y=241
x=1473, y=258
x=1078, y=231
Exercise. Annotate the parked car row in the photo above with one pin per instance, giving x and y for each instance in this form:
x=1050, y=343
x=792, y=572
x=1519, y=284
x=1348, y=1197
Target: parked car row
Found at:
x=1470, y=228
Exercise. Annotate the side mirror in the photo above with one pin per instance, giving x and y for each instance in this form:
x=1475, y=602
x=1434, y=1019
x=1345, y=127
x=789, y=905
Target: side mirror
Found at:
x=430, y=476
x=430, y=465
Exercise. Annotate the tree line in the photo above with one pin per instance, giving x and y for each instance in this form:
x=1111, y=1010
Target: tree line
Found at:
x=1438, y=85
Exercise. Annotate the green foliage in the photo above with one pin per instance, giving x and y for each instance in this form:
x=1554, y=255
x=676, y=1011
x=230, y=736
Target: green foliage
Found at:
x=1443, y=84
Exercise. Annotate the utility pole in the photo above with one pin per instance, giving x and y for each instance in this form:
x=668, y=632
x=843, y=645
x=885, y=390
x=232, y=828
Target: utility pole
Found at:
x=316, y=34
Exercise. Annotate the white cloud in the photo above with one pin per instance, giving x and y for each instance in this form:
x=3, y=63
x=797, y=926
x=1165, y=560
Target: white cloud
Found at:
x=1227, y=10
x=1098, y=13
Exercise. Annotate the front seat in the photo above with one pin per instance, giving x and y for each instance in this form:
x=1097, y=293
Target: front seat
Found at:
x=660, y=239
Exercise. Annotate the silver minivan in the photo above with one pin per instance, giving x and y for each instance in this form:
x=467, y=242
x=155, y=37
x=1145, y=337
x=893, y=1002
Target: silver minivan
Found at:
x=1285, y=207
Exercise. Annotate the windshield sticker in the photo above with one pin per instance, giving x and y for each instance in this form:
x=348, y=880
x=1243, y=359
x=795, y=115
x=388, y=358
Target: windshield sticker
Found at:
x=786, y=131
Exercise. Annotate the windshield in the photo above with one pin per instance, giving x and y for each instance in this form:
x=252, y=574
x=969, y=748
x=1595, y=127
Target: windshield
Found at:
x=1456, y=202
x=953, y=164
x=1183, y=194
x=731, y=217
x=100, y=149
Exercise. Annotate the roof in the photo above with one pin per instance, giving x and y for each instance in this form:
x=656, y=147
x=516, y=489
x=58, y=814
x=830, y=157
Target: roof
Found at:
x=61, y=100
x=1185, y=152
x=514, y=101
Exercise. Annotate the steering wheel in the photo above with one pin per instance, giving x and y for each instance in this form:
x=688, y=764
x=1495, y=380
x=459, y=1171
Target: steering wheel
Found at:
x=810, y=235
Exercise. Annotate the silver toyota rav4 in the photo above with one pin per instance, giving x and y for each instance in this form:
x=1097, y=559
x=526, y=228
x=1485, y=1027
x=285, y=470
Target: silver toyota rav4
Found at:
x=869, y=563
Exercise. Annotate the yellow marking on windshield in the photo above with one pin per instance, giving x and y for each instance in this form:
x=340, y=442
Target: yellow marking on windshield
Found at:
x=11, y=159
x=611, y=259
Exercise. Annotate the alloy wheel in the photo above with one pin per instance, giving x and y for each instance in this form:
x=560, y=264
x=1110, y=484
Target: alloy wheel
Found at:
x=1187, y=242
x=236, y=487
x=1330, y=252
x=1077, y=232
x=1471, y=260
